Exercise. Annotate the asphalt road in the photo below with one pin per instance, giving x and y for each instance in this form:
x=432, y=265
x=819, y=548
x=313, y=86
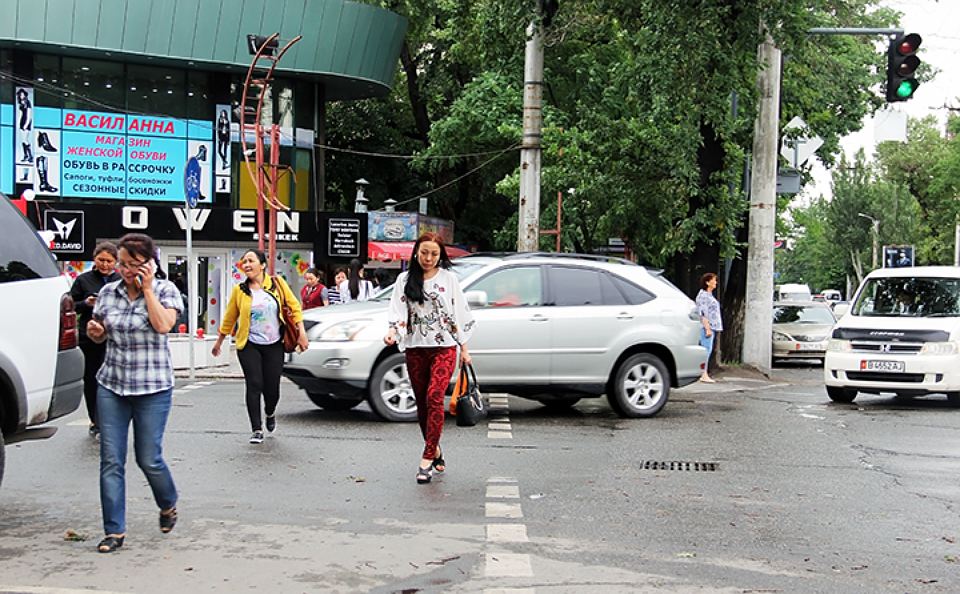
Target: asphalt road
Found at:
x=801, y=495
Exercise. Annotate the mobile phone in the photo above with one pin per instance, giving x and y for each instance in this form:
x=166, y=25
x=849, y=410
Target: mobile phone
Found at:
x=139, y=281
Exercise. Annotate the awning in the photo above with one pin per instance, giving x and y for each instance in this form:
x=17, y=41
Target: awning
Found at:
x=386, y=251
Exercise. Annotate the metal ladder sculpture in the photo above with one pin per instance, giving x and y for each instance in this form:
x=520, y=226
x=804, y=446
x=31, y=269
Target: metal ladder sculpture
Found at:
x=264, y=174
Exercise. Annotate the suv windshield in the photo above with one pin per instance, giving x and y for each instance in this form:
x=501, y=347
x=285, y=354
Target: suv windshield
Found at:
x=907, y=296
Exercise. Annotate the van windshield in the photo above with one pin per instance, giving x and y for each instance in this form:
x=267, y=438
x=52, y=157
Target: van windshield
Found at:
x=909, y=297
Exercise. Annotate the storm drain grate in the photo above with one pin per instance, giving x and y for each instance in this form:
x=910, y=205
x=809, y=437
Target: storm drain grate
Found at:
x=677, y=465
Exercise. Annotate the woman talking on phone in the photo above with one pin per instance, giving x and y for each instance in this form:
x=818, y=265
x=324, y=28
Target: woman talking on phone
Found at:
x=428, y=319
x=133, y=315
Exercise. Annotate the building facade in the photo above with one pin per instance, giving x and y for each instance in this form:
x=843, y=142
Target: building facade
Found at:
x=104, y=105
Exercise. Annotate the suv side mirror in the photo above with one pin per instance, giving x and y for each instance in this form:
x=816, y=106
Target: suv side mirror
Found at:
x=840, y=309
x=476, y=298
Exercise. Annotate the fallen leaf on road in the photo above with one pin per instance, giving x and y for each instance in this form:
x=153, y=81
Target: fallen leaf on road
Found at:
x=686, y=555
x=949, y=539
x=923, y=581
x=950, y=558
x=858, y=567
x=73, y=535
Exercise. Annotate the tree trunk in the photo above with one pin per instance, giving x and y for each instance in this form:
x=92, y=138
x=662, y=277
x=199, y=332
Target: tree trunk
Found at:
x=417, y=103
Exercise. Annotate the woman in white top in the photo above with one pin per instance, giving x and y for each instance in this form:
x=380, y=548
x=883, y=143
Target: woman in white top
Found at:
x=428, y=319
x=355, y=288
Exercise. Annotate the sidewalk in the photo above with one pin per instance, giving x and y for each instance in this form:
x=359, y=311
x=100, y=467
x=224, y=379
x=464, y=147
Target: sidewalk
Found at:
x=230, y=371
x=730, y=379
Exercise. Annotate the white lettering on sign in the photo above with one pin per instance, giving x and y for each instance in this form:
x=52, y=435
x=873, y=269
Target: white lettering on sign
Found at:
x=244, y=221
x=288, y=221
x=198, y=218
x=135, y=217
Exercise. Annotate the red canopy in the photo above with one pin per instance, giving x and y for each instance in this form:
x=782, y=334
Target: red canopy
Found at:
x=386, y=251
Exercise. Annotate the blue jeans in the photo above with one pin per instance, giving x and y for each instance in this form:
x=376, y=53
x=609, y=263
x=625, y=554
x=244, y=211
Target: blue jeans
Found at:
x=149, y=415
x=707, y=343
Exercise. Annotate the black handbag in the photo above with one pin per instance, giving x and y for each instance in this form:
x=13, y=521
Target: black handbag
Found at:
x=470, y=408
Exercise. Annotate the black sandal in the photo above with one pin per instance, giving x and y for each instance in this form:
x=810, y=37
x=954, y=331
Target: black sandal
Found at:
x=110, y=544
x=438, y=464
x=424, y=475
x=168, y=520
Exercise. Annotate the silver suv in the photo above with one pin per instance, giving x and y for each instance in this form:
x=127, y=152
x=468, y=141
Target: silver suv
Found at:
x=550, y=327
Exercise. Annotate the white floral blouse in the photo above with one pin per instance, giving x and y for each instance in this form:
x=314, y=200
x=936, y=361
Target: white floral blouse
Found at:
x=444, y=319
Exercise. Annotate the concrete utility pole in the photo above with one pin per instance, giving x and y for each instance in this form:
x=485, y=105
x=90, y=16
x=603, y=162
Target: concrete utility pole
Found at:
x=758, y=322
x=528, y=238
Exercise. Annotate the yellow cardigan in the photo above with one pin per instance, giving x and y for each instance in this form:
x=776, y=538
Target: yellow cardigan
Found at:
x=238, y=308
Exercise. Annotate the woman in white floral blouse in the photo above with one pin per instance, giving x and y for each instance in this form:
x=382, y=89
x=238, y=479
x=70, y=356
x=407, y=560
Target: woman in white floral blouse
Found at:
x=429, y=318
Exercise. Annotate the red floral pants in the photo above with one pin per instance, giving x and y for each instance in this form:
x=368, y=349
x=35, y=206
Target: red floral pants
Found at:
x=430, y=370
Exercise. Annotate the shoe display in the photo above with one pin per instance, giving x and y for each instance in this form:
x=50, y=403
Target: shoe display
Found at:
x=272, y=423
x=44, y=141
x=44, y=186
x=27, y=153
x=257, y=437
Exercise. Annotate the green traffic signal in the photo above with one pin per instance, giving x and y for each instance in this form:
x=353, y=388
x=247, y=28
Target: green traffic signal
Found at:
x=902, y=63
x=906, y=88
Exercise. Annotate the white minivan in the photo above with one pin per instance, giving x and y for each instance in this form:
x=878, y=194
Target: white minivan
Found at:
x=901, y=335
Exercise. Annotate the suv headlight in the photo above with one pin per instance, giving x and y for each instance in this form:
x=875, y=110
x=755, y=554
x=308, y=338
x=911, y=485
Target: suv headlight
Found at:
x=781, y=337
x=839, y=345
x=344, y=331
x=939, y=348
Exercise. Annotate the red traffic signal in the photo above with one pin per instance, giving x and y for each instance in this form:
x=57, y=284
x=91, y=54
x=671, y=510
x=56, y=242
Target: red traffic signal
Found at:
x=902, y=63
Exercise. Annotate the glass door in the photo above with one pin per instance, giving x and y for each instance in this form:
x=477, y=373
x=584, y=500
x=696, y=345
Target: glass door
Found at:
x=209, y=270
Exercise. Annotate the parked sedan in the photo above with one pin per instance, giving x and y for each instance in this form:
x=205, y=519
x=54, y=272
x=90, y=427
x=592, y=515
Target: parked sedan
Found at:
x=801, y=330
x=550, y=327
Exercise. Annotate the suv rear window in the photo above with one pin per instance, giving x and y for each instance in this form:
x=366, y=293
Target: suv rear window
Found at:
x=586, y=286
x=22, y=254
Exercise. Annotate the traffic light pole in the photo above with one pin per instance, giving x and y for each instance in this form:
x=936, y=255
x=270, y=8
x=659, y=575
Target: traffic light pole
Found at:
x=528, y=237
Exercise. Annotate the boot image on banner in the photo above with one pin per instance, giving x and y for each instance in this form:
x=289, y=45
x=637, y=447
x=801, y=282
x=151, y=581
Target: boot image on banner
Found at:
x=42, y=172
x=27, y=153
x=44, y=141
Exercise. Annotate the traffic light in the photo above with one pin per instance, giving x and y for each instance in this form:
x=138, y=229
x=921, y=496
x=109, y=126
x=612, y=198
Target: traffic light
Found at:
x=902, y=63
x=255, y=42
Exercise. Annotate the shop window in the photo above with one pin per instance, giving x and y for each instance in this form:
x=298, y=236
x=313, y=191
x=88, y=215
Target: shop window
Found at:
x=158, y=92
x=48, y=85
x=93, y=85
x=198, y=96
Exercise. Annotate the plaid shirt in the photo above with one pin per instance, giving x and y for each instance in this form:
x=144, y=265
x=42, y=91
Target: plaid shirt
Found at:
x=138, y=358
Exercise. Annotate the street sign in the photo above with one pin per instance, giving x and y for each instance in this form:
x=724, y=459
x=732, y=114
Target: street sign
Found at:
x=897, y=256
x=798, y=149
x=191, y=182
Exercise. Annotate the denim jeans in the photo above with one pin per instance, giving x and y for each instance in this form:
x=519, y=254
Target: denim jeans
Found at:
x=149, y=415
x=707, y=343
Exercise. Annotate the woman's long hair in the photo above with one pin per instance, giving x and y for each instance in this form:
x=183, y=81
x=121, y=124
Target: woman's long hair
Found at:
x=353, y=278
x=414, y=288
x=245, y=285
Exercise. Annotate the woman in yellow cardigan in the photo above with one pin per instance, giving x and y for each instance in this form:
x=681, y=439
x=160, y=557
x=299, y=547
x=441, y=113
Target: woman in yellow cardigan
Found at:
x=254, y=309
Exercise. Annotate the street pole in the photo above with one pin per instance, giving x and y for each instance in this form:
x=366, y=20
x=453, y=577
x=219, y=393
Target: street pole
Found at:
x=528, y=237
x=758, y=322
x=191, y=293
x=876, y=241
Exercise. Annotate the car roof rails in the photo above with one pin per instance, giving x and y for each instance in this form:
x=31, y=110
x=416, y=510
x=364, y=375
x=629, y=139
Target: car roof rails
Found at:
x=572, y=255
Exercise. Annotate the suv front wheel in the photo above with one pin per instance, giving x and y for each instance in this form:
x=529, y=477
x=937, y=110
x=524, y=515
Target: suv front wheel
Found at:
x=640, y=387
x=390, y=393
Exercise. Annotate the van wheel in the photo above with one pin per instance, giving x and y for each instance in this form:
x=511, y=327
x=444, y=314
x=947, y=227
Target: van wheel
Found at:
x=389, y=391
x=953, y=398
x=841, y=394
x=640, y=387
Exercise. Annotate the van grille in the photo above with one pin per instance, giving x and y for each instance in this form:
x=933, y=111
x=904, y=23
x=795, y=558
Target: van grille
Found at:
x=886, y=347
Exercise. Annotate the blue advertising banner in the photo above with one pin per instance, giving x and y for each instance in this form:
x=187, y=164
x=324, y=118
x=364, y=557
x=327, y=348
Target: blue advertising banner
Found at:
x=90, y=154
x=6, y=148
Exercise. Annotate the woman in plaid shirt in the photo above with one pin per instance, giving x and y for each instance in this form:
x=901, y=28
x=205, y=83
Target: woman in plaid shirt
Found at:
x=133, y=316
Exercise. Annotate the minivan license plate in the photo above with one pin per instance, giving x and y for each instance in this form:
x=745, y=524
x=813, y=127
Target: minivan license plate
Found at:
x=894, y=366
